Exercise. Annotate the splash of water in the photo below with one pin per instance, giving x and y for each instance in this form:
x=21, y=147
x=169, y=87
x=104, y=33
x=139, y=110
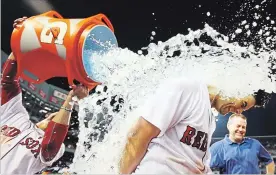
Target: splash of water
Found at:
x=131, y=78
x=106, y=116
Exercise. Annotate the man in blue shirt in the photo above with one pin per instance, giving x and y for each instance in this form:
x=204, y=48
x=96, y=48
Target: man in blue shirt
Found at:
x=237, y=154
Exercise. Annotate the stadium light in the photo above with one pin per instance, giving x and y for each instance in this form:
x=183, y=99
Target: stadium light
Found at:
x=49, y=109
x=43, y=111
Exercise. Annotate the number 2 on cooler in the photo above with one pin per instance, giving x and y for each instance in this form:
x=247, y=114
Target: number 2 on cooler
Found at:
x=54, y=30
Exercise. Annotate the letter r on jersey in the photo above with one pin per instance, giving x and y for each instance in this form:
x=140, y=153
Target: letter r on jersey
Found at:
x=188, y=134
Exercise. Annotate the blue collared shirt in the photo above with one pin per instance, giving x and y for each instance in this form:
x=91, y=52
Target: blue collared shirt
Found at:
x=239, y=158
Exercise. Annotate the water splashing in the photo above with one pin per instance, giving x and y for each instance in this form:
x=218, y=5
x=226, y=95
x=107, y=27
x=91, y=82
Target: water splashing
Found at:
x=106, y=116
x=238, y=69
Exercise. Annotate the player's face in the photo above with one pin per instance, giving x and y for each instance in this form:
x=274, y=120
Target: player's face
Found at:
x=235, y=105
x=237, y=128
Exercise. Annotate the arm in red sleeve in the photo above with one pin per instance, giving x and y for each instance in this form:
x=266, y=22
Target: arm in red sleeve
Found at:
x=53, y=138
x=9, y=82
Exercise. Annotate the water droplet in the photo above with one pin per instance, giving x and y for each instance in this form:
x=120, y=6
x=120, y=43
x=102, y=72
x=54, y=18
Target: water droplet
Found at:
x=243, y=22
x=254, y=24
x=238, y=31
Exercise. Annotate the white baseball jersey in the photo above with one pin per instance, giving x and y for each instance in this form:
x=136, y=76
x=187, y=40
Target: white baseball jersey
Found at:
x=181, y=109
x=21, y=141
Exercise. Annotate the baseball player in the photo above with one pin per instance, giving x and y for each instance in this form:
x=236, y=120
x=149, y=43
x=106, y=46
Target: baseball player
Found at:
x=173, y=133
x=27, y=148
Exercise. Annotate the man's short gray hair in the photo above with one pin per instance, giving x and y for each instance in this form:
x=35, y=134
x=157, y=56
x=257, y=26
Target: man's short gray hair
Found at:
x=236, y=115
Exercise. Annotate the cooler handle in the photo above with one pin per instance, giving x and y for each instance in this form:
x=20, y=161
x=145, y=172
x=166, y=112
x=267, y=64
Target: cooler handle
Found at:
x=105, y=20
x=52, y=14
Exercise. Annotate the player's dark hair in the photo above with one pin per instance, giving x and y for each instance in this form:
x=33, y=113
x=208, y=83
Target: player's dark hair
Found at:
x=262, y=98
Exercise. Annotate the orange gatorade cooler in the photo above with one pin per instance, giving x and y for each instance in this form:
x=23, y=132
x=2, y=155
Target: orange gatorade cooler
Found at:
x=48, y=45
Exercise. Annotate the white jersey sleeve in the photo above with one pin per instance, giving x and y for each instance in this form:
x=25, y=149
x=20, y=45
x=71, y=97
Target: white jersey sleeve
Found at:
x=170, y=104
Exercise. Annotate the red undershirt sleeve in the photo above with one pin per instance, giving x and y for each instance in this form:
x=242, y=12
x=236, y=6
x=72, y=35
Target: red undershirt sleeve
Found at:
x=9, y=82
x=53, y=138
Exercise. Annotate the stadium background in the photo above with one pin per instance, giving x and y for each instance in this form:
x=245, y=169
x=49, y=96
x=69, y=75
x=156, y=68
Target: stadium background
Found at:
x=133, y=23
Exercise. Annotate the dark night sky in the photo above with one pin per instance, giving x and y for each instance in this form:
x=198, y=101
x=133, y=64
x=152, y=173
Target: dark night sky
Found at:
x=133, y=22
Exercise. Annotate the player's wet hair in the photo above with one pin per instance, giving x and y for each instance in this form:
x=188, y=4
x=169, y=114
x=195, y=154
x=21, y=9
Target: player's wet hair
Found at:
x=262, y=98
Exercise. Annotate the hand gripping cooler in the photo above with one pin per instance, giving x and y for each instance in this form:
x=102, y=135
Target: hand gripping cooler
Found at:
x=48, y=45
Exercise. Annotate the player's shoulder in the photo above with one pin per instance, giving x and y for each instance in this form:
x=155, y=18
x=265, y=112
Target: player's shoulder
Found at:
x=13, y=106
x=186, y=82
x=12, y=101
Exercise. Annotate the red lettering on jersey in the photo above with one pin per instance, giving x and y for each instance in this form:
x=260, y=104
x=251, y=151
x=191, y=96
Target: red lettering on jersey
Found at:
x=197, y=139
x=205, y=143
x=3, y=128
x=188, y=134
x=36, y=151
x=30, y=143
x=10, y=131
x=200, y=140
